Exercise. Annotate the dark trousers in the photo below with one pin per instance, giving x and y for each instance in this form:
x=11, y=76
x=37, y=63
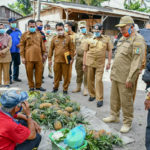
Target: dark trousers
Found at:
x=15, y=62
x=148, y=131
x=29, y=144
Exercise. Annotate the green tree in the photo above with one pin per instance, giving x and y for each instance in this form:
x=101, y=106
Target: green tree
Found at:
x=88, y=2
x=138, y=5
x=22, y=6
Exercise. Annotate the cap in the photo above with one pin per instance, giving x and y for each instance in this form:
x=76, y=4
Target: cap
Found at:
x=124, y=21
x=12, y=98
x=11, y=20
x=82, y=24
x=98, y=26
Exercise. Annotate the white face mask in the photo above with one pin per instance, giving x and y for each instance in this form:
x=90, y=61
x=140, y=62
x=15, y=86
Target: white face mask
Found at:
x=60, y=33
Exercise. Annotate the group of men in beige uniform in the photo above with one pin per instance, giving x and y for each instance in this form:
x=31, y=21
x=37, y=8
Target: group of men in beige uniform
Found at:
x=89, y=50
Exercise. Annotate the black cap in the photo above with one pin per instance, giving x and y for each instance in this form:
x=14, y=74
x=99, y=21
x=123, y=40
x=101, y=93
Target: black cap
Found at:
x=11, y=20
x=98, y=26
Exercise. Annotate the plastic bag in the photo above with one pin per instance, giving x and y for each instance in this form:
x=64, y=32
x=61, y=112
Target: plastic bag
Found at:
x=76, y=137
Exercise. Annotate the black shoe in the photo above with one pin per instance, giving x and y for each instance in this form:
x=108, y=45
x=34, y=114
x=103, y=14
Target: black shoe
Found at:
x=41, y=89
x=42, y=81
x=17, y=80
x=11, y=82
x=99, y=103
x=91, y=99
x=43, y=77
x=31, y=89
x=65, y=92
x=50, y=76
x=55, y=91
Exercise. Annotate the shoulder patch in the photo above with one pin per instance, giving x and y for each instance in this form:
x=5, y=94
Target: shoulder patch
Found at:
x=137, y=43
x=137, y=50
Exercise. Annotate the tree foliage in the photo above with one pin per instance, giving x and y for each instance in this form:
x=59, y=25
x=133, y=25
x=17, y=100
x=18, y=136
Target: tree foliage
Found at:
x=88, y=2
x=21, y=6
x=138, y=5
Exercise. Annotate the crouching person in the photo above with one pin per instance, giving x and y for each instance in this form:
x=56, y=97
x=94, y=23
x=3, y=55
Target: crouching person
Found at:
x=17, y=131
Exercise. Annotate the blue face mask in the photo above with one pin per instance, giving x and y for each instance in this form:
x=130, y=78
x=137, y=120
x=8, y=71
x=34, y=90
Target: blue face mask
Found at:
x=66, y=29
x=13, y=25
x=32, y=30
x=48, y=31
x=39, y=28
x=2, y=31
x=97, y=34
x=83, y=30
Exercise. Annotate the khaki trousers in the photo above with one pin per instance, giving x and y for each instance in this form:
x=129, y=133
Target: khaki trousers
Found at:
x=49, y=68
x=95, y=91
x=70, y=73
x=59, y=70
x=4, y=69
x=36, y=67
x=122, y=97
x=80, y=73
x=135, y=87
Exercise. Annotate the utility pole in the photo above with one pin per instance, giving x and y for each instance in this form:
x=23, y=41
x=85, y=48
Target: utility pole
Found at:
x=39, y=9
x=34, y=9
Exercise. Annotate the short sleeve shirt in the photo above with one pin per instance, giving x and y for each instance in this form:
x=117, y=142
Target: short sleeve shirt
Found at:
x=11, y=133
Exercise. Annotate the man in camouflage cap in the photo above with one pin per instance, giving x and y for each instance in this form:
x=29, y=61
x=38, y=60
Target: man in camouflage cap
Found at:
x=125, y=69
x=81, y=38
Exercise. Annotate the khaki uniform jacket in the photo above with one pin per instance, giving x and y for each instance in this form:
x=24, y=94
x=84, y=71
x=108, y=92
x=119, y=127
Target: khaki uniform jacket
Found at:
x=60, y=45
x=32, y=47
x=6, y=57
x=80, y=41
x=73, y=39
x=96, y=51
x=128, y=59
x=48, y=42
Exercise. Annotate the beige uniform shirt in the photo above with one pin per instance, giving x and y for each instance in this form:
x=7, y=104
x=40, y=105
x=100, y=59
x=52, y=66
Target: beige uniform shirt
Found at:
x=128, y=59
x=32, y=47
x=80, y=41
x=96, y=51
x=60, y=45
x=48, y=42
x=73, y=37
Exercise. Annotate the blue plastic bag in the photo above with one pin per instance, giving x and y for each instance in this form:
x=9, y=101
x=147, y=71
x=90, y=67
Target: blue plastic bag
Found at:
x=75, y=137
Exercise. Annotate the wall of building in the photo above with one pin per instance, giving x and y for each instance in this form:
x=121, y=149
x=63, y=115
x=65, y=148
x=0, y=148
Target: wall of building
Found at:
x=6, y=13
x=51, y=16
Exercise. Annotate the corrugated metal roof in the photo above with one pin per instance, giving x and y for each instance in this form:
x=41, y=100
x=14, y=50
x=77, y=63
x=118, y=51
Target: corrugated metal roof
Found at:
x=11, y=10
x=67, y=5
x=107, y=9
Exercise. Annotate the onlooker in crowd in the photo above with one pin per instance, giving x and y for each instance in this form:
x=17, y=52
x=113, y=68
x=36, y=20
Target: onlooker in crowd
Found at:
x=68, y=31
x=32, y=50
x=80, y=40
x=5, y=56
x=39, y=27
x=49, y=37
x=147, y=107
x=94, y=61
x=15, y=34
x=17, y=131
x=63, y=49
